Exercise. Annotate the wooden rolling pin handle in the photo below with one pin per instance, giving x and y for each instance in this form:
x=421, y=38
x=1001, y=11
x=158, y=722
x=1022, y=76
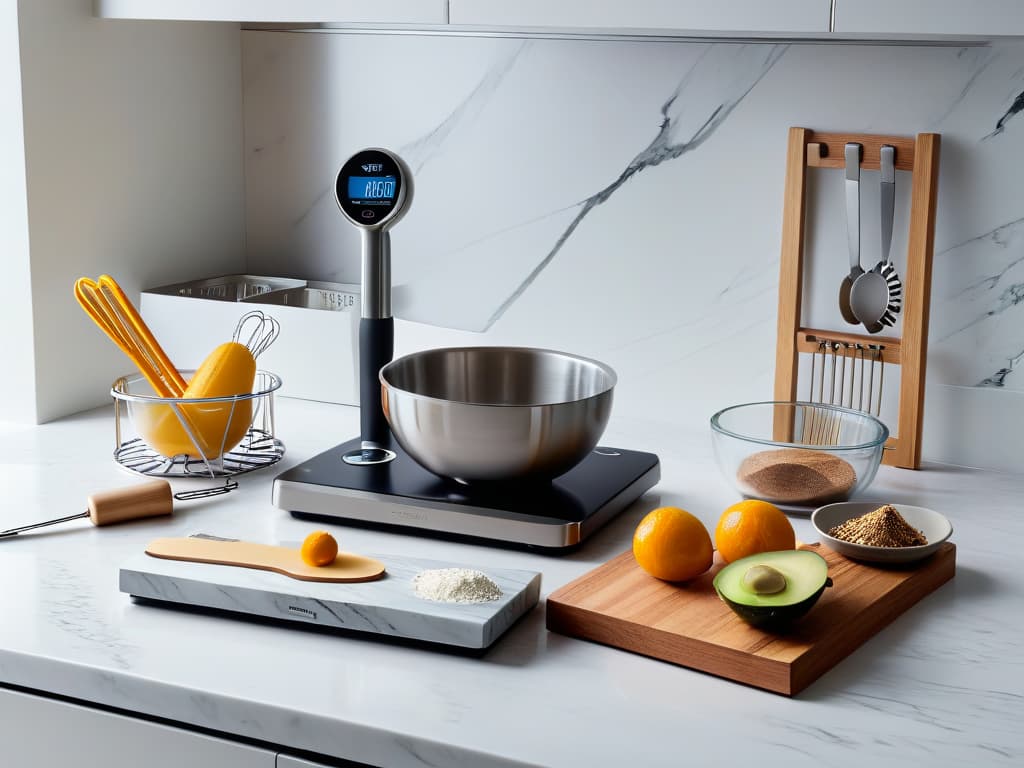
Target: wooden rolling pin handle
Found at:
x=119, y=504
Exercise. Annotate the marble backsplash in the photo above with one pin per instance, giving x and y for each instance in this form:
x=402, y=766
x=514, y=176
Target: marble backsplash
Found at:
x=623, y=200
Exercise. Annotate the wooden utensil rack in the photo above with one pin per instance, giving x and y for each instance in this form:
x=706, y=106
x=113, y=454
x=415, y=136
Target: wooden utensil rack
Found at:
x=920, y=156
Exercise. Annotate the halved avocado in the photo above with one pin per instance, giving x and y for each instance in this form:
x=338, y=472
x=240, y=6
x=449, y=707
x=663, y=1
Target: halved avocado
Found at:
x=752, y=586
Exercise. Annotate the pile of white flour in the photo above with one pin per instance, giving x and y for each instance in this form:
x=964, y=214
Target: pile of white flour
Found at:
x=455, y=585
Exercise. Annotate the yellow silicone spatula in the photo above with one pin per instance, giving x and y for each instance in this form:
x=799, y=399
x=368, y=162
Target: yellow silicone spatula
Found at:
x=115, y=315
x=136, y=326
x=347, y=567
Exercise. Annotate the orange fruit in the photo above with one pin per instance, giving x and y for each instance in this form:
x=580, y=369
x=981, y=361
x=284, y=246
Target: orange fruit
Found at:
x=750, y=527
x=319, y=548
x=673, y=545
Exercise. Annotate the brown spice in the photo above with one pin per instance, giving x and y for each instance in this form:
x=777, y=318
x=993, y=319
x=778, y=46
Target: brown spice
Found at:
x=796, y=476
x=884, y=527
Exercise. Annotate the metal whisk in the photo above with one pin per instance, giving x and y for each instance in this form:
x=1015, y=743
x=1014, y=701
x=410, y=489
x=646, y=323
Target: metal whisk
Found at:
x=846, y=383
x=258, y=330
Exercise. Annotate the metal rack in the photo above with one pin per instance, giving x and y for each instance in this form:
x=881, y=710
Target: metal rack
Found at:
x=258, y=448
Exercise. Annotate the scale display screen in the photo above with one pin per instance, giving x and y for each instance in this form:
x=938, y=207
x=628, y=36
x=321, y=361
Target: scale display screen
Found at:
x=371, y=187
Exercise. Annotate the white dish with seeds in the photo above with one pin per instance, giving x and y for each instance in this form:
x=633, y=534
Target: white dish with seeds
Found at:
x=934, y=526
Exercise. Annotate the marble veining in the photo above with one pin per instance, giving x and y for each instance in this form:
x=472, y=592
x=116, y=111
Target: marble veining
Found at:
x=686, y=123
x=70, y=608
x=1011, y=112
x=990, y=285
x=623, y=200
x=977, y=61
x=385, y=606
x=419, y=152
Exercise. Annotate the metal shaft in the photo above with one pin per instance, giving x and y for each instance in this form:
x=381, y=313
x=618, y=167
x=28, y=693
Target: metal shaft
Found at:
x=16, y=531
x=117, y=505
x=376, y=277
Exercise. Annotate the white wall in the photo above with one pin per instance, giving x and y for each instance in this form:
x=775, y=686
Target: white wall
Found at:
x=17, y=384
x=133, y=137
x=623, y=200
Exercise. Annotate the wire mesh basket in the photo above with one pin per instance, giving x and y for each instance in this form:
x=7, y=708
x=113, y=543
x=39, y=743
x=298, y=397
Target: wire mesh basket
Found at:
x=195, y=437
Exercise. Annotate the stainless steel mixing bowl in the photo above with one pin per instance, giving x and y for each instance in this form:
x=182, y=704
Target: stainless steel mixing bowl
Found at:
x=497, y=413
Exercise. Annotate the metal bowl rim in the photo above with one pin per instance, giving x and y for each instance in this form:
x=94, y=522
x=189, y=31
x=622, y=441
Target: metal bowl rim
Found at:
x=606, y=369
x=880, y=441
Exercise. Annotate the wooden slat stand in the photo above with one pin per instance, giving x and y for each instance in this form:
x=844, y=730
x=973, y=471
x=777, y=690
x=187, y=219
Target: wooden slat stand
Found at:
x=808, y=148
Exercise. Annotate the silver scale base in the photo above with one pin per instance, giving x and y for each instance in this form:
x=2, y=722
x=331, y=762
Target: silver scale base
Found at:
x=556, y=515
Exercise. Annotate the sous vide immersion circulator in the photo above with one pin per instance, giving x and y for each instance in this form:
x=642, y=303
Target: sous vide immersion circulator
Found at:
x=374, y=191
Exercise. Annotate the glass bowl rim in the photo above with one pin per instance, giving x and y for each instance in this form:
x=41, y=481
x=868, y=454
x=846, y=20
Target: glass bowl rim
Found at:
x=884, y=430
x=131, y=378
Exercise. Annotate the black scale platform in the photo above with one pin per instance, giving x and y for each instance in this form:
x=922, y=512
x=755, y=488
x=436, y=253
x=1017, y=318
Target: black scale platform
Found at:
x=551, y=515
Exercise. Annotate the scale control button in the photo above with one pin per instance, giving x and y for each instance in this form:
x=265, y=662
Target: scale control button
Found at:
x=368, y=214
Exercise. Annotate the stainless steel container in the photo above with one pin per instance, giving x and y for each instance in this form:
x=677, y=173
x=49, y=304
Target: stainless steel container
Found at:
x=229, y=287
x=332, y=297
x=497, y=413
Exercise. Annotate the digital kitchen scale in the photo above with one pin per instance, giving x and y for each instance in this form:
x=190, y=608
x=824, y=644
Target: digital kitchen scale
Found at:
x=371, y=479
x=552, y=515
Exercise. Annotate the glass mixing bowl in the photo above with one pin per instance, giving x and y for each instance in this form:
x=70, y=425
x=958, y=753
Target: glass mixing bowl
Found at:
x=797, y=454
x=197, y=436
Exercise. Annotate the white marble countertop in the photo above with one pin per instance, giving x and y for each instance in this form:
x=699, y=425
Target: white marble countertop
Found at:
x=943, y=685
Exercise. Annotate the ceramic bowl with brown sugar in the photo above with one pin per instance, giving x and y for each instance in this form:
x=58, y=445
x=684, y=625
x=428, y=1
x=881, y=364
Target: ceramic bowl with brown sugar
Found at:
x=796, y=455
x=934, y=526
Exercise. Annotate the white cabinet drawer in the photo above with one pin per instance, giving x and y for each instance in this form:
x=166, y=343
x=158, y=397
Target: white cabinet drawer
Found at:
x=879, y=18
x=722, y=16
x=280, y=11
x=45, y=733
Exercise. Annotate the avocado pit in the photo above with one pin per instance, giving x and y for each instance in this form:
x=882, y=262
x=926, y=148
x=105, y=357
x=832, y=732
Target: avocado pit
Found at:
x=763, y=580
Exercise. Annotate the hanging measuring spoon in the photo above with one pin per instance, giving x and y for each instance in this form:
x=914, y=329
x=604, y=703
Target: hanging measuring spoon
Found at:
x=875, y=297
x=852, y=154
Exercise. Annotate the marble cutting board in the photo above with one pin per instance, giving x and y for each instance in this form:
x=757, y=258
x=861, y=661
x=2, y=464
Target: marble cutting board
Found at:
x=387, y=606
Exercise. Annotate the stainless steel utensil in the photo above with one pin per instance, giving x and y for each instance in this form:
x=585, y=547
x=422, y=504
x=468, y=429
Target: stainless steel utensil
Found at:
x=887, y=195
x=116, y=506
x=853, y=152
x=497, y=413
x=876, y=296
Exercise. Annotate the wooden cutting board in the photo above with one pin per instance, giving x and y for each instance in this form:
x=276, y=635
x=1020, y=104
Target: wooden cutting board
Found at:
x=619, y=604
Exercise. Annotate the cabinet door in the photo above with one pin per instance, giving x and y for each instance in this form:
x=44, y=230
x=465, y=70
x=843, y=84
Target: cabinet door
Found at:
x=930, y=17
x=759, y=16
x=44, y=733
x=280, y=11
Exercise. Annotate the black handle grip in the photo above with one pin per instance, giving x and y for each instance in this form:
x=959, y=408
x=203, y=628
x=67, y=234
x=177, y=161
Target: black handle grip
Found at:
x=376, y=348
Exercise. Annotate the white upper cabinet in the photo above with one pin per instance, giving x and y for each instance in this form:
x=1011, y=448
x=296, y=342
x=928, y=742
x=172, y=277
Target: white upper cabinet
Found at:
x=280, y=11
x=816, y=19
x=724, y=17
x=929, y=18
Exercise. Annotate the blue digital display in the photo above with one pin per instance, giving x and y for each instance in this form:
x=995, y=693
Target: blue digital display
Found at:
x=371, y=187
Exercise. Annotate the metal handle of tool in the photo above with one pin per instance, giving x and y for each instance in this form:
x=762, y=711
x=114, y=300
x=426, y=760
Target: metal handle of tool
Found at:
x=376, y=335
x=116, y=506
x=853, y=154
x=887, y=195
